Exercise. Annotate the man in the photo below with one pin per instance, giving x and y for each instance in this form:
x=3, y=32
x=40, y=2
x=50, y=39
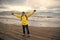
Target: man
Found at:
x=24, y=19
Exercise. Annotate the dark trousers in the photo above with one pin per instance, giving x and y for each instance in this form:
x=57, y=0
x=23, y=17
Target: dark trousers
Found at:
x=27, y=29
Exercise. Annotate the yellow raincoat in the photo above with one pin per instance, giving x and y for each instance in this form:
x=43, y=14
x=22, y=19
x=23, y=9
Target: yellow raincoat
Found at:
x=24, y=20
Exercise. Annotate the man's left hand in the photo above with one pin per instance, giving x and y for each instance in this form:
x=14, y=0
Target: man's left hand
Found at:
x=34, y=10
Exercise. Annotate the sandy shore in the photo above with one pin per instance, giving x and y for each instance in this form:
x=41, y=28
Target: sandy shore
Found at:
x=14, y=32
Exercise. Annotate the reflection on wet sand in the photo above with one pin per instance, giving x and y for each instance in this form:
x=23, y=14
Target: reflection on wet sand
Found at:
x=14, y=32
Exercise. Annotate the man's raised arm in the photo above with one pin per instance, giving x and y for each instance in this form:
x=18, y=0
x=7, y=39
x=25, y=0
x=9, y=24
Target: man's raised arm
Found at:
x=31, y=13
x=17, y=15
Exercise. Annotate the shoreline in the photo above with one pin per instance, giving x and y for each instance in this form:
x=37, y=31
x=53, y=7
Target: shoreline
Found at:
x=29, y=25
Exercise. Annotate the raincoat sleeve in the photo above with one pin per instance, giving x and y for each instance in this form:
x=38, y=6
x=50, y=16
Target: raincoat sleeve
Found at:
x=29, y=14
x=17, y=15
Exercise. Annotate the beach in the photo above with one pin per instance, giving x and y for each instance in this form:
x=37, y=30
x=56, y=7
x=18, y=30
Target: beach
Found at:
x=43, y=19
x=14, y=32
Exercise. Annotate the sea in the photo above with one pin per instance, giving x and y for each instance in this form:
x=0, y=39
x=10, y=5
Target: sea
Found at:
x=39, y=19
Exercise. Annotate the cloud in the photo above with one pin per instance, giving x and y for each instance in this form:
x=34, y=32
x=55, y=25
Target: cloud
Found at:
x=15, y=8
x=47, y=5
x=3, y=7
x=42, y=4
x=57, y=0
x=7, y=5
x=14, y=2
x=53, y=7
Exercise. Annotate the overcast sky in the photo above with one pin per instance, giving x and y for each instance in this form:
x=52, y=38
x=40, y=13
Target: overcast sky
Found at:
x=24, y=5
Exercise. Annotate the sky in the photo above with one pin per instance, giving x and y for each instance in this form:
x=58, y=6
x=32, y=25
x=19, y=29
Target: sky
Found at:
x=26, y=5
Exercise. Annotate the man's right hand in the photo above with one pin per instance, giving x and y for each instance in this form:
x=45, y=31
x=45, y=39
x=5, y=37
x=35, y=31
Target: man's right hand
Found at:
x=12, y=13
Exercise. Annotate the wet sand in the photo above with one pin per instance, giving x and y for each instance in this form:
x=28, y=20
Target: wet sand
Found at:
x=14, y=32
